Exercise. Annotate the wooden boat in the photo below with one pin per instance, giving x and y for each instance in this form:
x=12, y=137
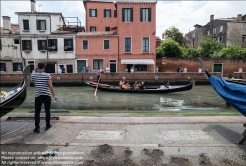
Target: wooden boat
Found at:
x=162, y=89
x=234, y=93
x=13, y=98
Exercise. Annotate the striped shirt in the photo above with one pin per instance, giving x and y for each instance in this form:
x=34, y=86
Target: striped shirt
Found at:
x=40, y=80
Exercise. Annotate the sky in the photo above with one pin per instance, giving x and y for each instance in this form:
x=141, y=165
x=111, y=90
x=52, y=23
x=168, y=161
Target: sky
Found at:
x=180, y=14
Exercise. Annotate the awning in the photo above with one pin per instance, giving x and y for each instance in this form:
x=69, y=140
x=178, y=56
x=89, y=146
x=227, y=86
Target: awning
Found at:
x=138, y=61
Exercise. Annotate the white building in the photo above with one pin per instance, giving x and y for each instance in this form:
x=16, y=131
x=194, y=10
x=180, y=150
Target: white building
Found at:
x=43, y=36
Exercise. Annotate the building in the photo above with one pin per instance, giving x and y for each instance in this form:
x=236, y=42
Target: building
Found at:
x=42, y=36
x=228, y=31
x=118, y=35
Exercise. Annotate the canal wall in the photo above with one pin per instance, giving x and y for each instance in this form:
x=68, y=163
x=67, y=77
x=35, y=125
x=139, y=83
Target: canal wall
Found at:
x=76, y=78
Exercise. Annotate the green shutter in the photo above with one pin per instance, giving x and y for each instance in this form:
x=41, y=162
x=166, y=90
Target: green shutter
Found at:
x=131, y=14
x=104, y=12
x=149, y=15
x=110, y=13
x=31, y=45
x=44, y=24
x=72, y=43
x=0, y=44
x=39, y=43
x=37, y=25
x=23, y=45
x=96, y=12
x=123, y=15
x=141, y=15
x=90, y=12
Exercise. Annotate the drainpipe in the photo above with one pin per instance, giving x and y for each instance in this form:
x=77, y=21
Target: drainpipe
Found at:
x=47, y=47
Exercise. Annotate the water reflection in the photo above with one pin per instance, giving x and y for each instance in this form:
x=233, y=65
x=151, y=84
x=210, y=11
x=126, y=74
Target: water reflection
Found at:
x=82, y=98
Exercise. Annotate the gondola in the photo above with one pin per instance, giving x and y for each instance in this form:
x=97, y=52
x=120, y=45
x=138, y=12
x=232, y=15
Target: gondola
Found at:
x=13, y=98
x=162, y=89
x=233, y=93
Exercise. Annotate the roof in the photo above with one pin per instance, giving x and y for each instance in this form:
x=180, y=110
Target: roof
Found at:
x=96, y=34
x=14, y=29
x=38, y=13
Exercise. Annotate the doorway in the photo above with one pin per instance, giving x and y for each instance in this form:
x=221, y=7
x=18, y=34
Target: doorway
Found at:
x=80, y=65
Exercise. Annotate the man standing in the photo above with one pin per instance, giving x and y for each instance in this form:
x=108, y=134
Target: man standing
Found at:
x=43, y=87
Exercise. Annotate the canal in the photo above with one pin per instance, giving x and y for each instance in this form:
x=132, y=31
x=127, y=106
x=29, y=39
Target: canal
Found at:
x=82, y=98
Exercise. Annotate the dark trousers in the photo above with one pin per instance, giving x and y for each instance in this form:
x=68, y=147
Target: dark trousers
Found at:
x=46, y=100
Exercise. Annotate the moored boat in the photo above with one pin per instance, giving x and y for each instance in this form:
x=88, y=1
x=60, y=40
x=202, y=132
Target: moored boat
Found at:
x=161, y=89
x=13, y=98
x=234, y=93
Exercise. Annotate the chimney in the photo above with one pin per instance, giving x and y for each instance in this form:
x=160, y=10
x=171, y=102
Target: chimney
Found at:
x=6, y=24
x=211, y=17
x=239, y=17
x=33, y=6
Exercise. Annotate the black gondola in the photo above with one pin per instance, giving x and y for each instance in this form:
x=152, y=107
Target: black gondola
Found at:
x=162, y=89
x=16, y=96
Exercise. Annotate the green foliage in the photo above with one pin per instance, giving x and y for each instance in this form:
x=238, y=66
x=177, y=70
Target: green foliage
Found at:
x=169, y=48
x=231, y=52
x=190, y=52
x=209, y=46
x=174, y=34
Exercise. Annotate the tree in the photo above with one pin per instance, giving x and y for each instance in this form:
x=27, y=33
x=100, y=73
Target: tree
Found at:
x=174, y=34
x=209, y=46
x=169, y=48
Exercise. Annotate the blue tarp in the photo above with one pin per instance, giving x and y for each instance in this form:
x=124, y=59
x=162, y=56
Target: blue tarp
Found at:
x=233, y=93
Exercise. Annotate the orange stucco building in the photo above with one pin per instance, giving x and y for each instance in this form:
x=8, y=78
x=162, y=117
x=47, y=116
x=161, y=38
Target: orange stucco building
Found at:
x=119, y=35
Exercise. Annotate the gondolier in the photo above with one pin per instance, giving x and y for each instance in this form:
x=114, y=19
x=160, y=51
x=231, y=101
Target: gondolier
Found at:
x=43, y=87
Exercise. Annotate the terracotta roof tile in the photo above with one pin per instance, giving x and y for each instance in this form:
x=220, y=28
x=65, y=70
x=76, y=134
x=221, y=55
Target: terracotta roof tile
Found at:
x=14, y=29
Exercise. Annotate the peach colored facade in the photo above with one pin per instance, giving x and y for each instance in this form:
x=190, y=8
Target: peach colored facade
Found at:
x=130, y=36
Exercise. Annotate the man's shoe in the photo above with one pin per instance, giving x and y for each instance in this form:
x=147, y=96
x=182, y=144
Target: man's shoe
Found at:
x=48, y=127
x=36, y=130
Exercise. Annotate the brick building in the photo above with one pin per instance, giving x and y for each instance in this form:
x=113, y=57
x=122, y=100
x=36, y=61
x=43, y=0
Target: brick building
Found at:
x=229, y=31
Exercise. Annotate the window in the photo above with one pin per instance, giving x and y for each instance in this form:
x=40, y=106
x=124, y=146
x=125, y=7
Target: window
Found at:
x=208, y=33
x=115, y=13
x=243, y=41
x=52, y=44
x=93, y=12
x=107, y=28
x=244, y=26
x=2, y=66
x=26, y=45
x=106, y=44
x=193, y=35
x=25, y=25
x=85, y=45
x=145, y=44
x=42, y=45
x=128, y=44
x=97, y=63
x=221, y=28
x=107, y=13
x=41, y=24
x=145, y=15
x=68, y=44
x=17, y=66
x=16, y=41
x=220, y=39
x=127, y=14
x=214, y=30
x=93, y=29
x=140, y=67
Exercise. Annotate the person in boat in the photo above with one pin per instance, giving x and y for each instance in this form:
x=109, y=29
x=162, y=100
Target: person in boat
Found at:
x=168, y=85
x=43, y=87
x=142, y=86
x=128, y=86
x=123, y=85
x=136, y=85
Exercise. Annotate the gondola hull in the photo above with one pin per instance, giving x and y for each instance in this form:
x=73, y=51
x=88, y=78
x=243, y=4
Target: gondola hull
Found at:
x=163, y=89
x=16, y=96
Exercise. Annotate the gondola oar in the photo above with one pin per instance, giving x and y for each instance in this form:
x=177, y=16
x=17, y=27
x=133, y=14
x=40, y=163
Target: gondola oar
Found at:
x=95, y=94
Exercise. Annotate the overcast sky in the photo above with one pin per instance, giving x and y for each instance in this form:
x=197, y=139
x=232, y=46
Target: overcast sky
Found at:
x=181, y=14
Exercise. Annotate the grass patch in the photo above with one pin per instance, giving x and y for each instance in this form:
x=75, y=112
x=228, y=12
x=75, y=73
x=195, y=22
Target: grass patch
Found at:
x=225, y=112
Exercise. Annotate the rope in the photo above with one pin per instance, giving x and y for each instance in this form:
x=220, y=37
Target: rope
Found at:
x=14, y=130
